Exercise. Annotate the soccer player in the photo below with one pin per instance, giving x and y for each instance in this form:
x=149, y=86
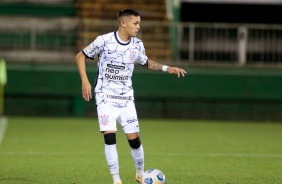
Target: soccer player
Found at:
x=117, y=52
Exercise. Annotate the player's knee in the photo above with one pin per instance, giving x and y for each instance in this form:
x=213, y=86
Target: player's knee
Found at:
x=135, y=143
x=110, y=138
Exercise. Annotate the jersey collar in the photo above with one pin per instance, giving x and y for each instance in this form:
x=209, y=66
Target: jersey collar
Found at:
x=119, y=40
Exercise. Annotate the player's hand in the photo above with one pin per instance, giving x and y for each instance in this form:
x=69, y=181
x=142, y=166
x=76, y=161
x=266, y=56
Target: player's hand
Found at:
x=175, y=70
x=86, y=90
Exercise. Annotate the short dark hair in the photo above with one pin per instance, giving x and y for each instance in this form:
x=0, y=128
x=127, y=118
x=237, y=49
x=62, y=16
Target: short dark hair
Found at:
x=127, y=12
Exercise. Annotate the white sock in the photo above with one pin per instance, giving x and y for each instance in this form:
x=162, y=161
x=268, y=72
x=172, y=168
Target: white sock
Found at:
x=138, y=158
x=116, y=177
x=112, y=159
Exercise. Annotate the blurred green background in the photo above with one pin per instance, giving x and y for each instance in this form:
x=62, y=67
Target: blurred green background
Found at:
x=233, y=68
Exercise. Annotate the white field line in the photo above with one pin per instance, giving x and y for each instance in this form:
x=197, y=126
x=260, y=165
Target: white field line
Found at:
x=3, y=126
x=204, y=154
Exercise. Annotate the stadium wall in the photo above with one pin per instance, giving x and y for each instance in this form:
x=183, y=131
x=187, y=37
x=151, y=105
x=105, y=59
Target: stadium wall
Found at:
x=205, y=93
x=37, y=9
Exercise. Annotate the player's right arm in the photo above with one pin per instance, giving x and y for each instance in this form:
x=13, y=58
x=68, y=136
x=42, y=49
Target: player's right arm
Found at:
x=86, y=86
x=93, y=49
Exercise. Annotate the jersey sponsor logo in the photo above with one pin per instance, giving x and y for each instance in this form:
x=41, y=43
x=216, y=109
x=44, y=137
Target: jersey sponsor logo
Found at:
x=116, y=77
x=116, y=66
x=119, y=97
x=113, y=74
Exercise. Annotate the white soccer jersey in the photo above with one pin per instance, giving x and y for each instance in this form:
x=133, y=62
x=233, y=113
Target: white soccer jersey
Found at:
x=115, y=65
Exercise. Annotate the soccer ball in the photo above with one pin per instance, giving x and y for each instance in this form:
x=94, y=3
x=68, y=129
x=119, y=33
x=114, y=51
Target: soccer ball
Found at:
x=153, y=176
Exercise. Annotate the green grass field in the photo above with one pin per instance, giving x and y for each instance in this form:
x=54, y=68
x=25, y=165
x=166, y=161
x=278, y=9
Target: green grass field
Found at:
x=71, y=151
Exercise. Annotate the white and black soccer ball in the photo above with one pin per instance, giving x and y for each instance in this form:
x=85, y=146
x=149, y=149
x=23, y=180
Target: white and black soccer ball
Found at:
x=153, y=176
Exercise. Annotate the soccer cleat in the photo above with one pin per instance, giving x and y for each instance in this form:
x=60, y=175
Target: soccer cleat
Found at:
x=138, y=178
x=118, y=182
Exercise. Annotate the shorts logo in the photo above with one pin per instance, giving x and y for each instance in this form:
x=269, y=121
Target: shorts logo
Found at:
x=131, y=120
x=104, y=119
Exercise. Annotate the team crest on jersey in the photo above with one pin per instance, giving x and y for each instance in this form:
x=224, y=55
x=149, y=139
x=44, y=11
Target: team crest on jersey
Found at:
x=104, y=120
x=132, y=54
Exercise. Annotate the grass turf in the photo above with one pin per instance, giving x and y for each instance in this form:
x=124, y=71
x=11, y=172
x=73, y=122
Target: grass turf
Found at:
x=71, y=151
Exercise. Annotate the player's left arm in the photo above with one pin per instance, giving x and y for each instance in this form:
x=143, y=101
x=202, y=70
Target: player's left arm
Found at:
x=152, y=65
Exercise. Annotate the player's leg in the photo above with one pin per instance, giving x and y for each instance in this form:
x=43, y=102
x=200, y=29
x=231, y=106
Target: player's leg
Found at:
x=107, y=122
x=129, y=122
x=112, y=155
x=137, y=153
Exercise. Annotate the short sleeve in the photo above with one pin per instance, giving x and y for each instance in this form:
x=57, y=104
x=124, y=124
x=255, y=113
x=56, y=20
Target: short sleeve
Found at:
x=142, y=58
x=94, y=48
